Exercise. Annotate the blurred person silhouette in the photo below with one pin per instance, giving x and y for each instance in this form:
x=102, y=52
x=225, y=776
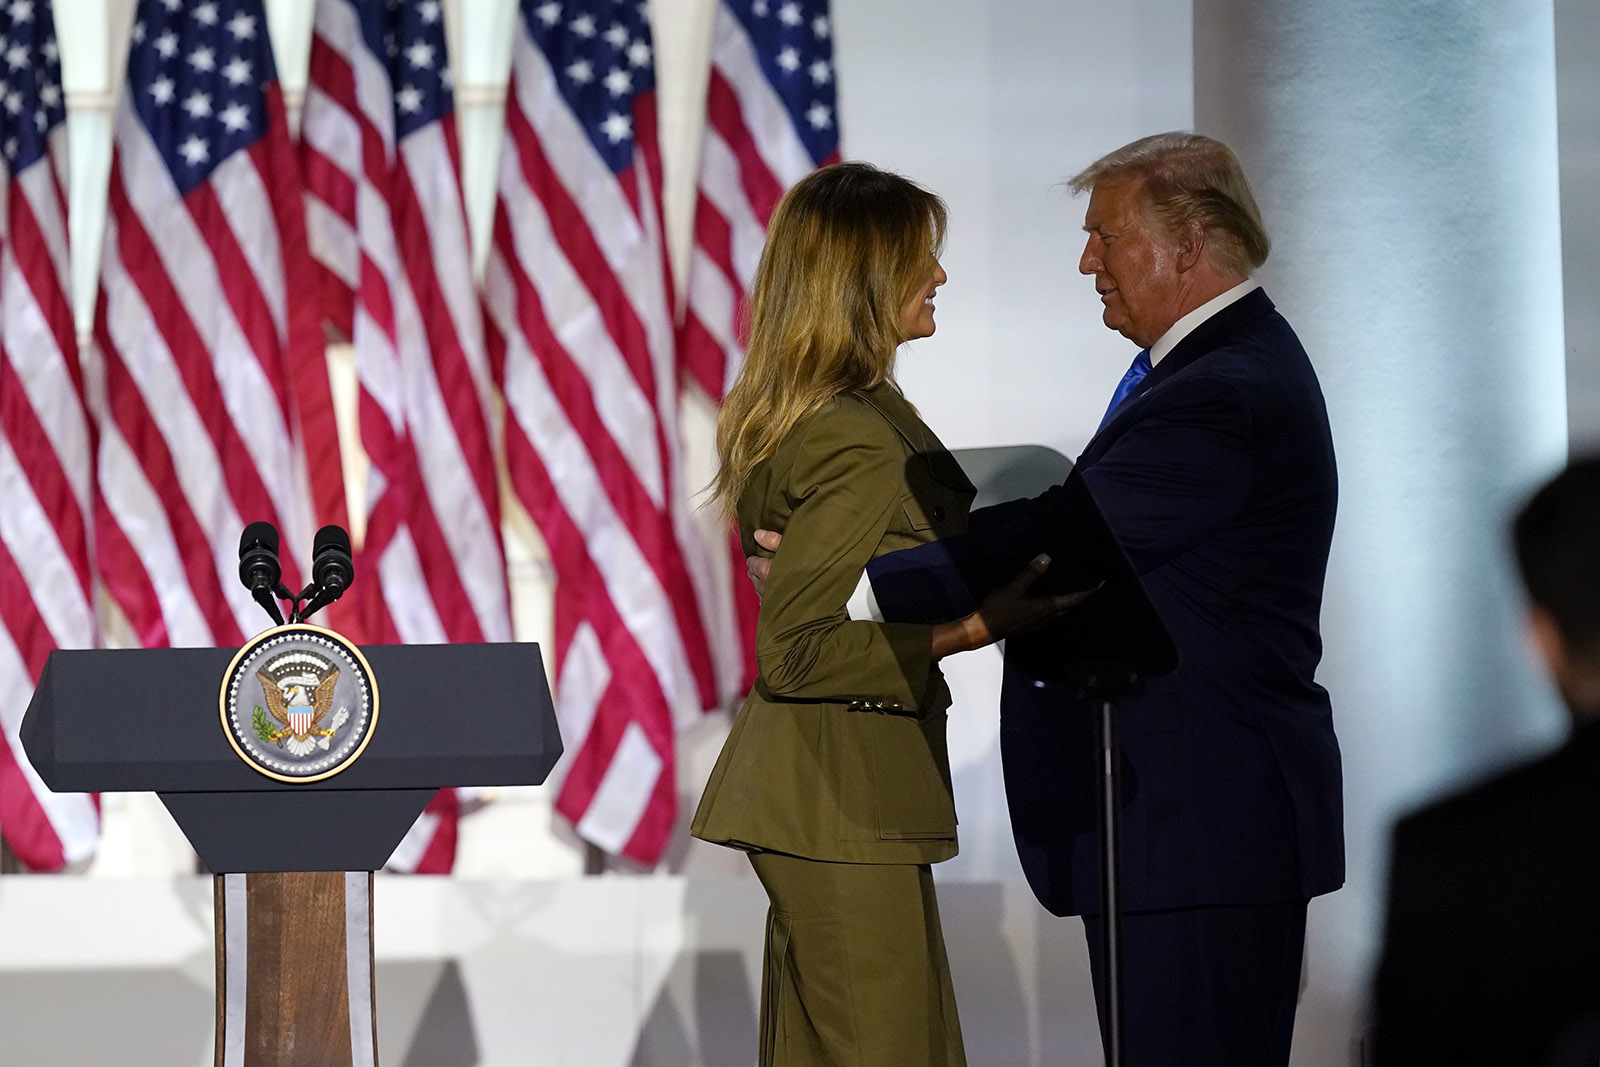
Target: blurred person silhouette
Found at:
x=1491, y=951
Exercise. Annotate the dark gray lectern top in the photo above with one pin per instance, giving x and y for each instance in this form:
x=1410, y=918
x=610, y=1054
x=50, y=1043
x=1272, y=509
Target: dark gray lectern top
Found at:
x=149, y=720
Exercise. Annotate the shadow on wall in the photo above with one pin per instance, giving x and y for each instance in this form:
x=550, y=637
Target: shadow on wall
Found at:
x=720, y=1030
x=704, y=1012
x=986, y=975
x=424, y=1018
x=1021, y=977
x=706, y=1007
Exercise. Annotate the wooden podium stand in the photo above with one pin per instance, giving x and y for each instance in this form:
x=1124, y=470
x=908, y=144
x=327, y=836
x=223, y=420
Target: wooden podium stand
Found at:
x=293, y=861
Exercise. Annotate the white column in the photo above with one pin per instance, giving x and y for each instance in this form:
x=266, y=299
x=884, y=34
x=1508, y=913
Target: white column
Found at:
x=1578, y=100
x=1405, y=157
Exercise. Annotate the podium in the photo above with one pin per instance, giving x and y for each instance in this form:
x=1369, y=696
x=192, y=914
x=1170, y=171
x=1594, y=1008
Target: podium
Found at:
x=293, y=859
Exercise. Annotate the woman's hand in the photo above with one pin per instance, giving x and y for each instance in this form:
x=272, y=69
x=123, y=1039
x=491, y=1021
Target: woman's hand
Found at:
x=759, y=566
x=1006, y=611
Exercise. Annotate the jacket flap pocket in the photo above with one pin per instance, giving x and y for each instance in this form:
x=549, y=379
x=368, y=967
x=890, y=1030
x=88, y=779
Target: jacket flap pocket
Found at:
x=929, y=511
x=911, y=793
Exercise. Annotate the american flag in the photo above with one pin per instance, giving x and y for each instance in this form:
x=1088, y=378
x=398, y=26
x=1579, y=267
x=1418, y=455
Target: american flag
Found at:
x=208, y=379
x=581, y=335
x=46, y=447
x=771, y=119
x=389, y=230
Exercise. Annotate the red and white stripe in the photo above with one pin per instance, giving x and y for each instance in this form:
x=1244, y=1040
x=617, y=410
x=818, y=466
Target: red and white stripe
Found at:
x=198, y=378
x=580, y=331
x=749, y=154
x=389, y=230
x=46, y=482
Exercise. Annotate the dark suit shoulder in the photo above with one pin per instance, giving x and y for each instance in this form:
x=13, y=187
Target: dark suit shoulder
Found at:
x=1265, y=353
x=1248, y=338
x=1247, y=345
x=1544, y=812
x=1491, y=931
x=1260, y=367
x=1570, y=767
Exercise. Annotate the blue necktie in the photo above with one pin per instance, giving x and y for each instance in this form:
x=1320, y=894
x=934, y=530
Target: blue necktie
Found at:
x=1130, y=381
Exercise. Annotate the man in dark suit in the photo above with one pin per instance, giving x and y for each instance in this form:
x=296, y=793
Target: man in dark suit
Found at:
x=1214, y=469
x=1492, y=948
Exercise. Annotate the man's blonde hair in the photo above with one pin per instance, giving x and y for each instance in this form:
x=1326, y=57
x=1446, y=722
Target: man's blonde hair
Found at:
x=1189, y=179
x=847, y=248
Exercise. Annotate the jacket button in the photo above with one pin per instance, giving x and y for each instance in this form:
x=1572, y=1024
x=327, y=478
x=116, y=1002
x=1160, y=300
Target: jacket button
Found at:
x=937, y=514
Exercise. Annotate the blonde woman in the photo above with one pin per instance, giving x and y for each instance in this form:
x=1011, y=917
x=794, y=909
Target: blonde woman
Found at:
x=835, y=777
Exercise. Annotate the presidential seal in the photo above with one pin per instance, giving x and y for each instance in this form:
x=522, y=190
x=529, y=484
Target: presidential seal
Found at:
x=299, y=703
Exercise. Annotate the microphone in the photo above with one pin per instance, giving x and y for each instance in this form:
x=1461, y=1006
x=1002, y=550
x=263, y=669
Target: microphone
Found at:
x=259, y=569
x=332, y=568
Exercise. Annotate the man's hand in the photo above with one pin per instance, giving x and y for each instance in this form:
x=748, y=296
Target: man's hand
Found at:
x=760, y=566
x=1008, y=610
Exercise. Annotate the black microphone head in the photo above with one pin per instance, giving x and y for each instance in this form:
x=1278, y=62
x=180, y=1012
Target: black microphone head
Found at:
x=332, y=567
x=333, y=537
x=259, y=534
x=258, y=556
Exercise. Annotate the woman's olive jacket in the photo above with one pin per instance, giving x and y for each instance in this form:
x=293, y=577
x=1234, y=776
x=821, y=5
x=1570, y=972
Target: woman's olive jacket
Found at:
x=839, y=753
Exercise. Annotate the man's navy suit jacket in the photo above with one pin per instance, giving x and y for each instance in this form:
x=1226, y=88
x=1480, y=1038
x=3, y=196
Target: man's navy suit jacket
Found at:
x=1217, y=478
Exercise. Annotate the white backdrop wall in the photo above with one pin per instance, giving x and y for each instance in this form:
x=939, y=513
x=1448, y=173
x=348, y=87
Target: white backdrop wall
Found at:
x=1577, y=24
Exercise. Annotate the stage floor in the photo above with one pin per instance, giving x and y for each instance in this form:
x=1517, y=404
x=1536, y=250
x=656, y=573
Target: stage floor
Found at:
x=614, y=971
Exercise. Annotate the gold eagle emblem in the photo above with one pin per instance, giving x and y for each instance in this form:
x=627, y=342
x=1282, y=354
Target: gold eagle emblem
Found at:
x=285, y=703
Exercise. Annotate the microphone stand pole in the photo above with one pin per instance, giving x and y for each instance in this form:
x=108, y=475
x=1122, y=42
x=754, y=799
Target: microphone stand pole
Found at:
x=1110, y=794
x=1099, y=652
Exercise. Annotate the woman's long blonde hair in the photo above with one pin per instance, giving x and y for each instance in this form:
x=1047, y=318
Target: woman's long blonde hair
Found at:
x=847, y=248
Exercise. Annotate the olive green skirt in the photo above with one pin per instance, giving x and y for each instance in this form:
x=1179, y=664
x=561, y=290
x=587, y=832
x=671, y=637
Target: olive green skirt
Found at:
x=855, y=972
